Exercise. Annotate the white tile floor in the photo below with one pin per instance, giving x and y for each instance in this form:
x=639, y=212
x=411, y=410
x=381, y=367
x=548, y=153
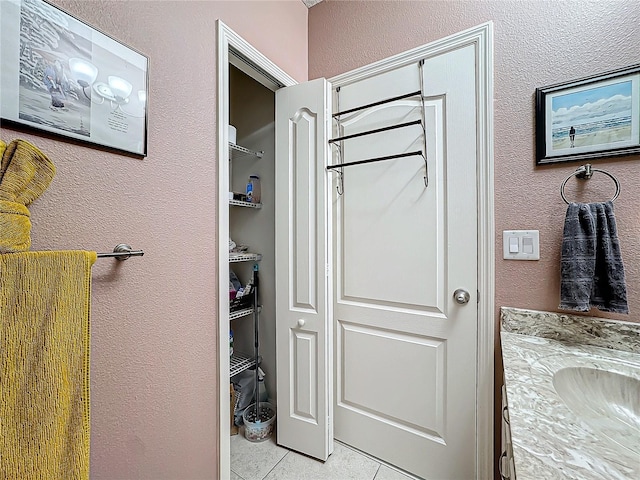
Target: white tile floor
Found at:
x=268, y=461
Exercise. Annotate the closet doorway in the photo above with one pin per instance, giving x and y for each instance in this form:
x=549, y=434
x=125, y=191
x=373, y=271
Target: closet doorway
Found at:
x=332, y=364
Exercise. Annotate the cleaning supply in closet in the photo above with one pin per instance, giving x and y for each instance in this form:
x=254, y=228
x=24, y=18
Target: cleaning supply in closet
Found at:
x=258, y=418
x=234, y=284
x=591, y=270
x=25, y=172
x=242, y=197
x=244, y=291
x=254, y=192
x=259, y=423
x=239, y=297
x=233, y=430
x=244, y=386
x=230, y=342
x=262, y=389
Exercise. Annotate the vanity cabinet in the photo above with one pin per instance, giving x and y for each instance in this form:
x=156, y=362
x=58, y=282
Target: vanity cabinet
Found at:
x=506, y=464
x=555, y=366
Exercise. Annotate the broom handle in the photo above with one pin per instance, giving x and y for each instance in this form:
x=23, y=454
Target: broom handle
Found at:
x=256, y=320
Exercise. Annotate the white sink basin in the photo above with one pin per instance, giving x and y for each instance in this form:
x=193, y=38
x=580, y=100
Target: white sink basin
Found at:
x=608, y=402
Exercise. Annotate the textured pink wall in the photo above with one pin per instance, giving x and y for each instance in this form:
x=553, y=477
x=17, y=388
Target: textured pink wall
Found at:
x=536, y=43
x=154, y=327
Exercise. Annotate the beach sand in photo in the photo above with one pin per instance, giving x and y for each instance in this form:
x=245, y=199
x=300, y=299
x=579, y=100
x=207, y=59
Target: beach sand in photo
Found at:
x=601, y=137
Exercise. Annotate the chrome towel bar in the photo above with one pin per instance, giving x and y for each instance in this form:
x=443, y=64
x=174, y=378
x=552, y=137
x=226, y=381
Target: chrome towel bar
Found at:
x=121, y=252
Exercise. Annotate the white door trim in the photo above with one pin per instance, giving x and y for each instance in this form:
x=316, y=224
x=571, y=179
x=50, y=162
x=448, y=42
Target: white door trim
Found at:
x=482, y=38
x=227, y=38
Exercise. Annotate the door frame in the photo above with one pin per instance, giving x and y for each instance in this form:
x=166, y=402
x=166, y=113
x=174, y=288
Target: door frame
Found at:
x=481, y=37
x=260, y=65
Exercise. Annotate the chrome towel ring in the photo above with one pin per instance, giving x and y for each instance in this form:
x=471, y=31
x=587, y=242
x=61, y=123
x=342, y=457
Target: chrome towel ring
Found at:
x=585, y=172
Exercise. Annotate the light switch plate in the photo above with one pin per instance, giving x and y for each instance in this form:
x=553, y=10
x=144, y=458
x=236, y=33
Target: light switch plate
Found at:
x=533, y=239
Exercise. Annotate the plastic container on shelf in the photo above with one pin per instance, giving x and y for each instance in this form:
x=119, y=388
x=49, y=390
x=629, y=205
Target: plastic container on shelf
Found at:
x=232, y=134
x=254, y=192
x=259, y=428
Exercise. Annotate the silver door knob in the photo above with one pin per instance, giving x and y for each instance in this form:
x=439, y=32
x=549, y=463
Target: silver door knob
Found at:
x=461, y=296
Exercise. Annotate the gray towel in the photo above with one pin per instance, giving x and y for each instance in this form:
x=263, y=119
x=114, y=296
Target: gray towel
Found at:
x=592, y=274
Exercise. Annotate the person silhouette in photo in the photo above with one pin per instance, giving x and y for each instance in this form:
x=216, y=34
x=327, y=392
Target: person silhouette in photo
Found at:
x=572, y=136
x=54, y=79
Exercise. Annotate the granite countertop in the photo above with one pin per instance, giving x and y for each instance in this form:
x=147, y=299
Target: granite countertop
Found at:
x=549, y=440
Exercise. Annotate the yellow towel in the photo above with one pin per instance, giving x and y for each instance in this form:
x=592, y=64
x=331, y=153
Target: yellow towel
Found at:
x=15, y=227
x=25, y=172
x=44, y=365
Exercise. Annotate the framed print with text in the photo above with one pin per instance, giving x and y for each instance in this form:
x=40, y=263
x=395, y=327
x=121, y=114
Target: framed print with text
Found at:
x=62, y=76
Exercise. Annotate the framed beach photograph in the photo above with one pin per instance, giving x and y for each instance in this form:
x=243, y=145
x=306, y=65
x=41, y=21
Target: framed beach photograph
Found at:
x=61, y=76
x=589, y=118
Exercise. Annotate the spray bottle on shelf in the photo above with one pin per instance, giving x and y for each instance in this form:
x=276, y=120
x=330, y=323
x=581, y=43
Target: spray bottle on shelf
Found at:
x=253, y=189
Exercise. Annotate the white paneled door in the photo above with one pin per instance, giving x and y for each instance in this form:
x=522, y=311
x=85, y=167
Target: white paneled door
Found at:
x=405, y=349
x=303, y=331
x=377, y=286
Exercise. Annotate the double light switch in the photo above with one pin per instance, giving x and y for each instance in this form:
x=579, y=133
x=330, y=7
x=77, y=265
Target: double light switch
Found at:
x=521, y=244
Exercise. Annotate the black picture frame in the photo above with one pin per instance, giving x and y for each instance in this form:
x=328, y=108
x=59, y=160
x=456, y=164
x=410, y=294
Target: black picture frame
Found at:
x=590, y=118
x=62, y=77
